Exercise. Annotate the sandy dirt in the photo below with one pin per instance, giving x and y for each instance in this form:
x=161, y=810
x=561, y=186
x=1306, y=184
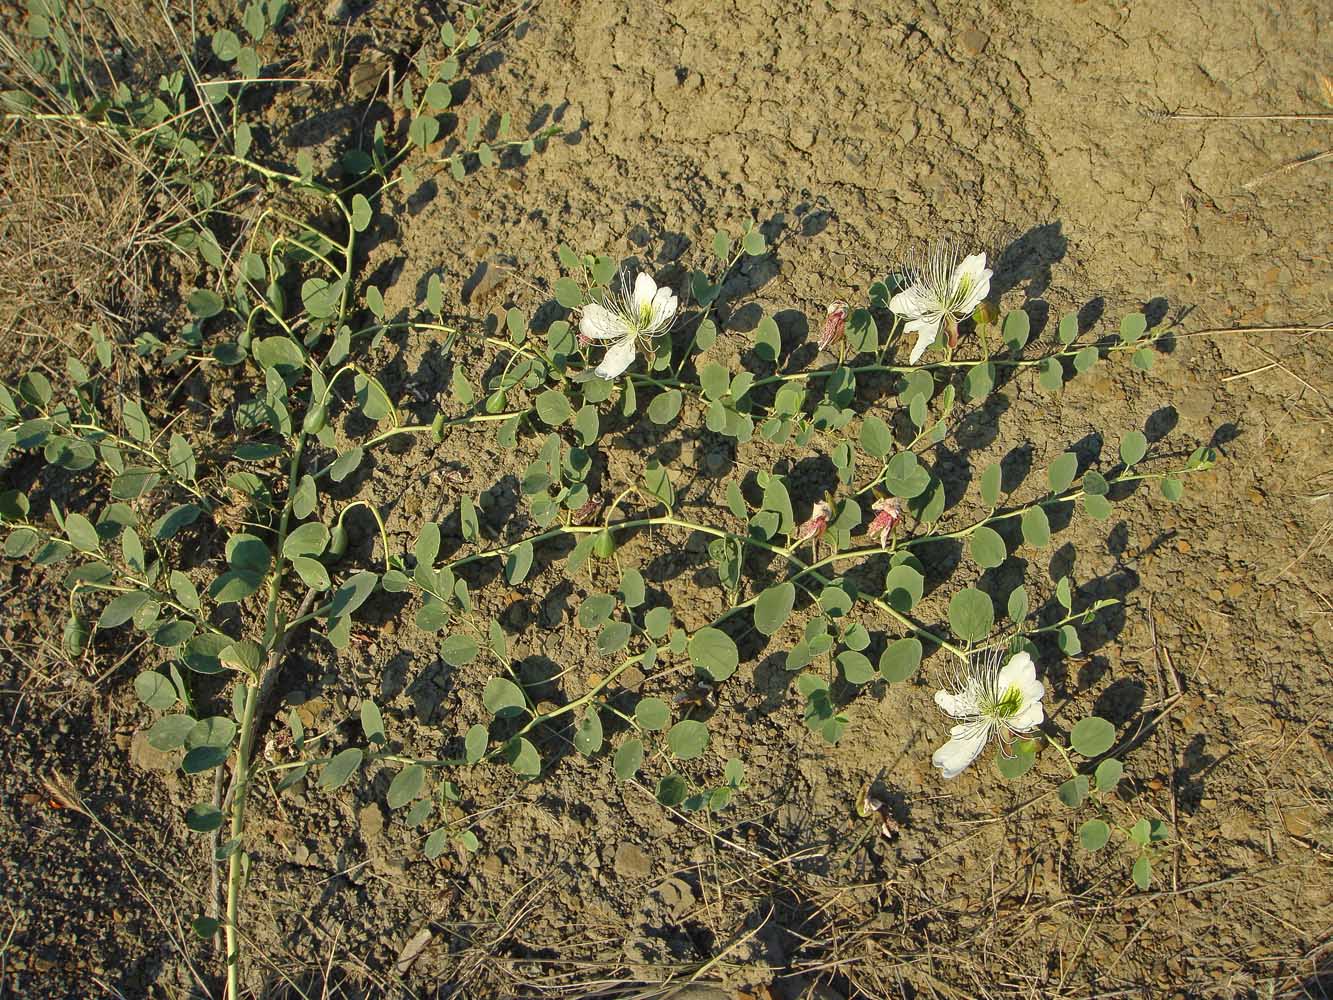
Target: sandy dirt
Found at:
x=1048, y=134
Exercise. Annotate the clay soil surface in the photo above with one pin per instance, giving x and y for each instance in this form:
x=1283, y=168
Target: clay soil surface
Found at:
x=1056, y=134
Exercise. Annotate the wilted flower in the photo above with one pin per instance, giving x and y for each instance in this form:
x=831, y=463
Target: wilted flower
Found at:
x=942, y=289
x=816, y=525
x=627, y=317
x=835, y=325
x=992, y=700
x=888, y=515
x=869, y=804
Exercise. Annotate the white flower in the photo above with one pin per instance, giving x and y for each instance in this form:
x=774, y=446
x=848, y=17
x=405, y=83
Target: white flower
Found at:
x=626, y=317
x=1003, y=702
x=942, y=290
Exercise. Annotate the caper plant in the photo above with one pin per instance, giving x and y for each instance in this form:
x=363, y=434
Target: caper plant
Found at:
x=222, y=553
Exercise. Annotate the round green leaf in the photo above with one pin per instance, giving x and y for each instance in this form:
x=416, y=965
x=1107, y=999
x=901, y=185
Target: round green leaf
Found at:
x=652, y=714
x=971, y=614
x=713, y=652
x=523, y=758
x=457, y=650
x=1016, y=764
x=988, y=548
x=518, y=563
x=474, y=743
x=553, y=407
x=306, y=540
x=170, y=732
x=671, y=790
x=155, y=690
x=214, y=731
x=1074, y=791
x=406, y=786
x=503, y=697
x=1108, y=774
x=687, y=739
x=856, y=667
x=1133, y=447
x=1092, y=737
x=1142, y=872
x=903, y=587
x=1062, y=472
x=588, y=735
x=905, y=476
x=774, y=607
x=664, y=408
x=1094, y=834
x=1172, y=489
x=1036, y=527
x=203, y=817
x=628, y=759
x=338, y=771
x=900, y=659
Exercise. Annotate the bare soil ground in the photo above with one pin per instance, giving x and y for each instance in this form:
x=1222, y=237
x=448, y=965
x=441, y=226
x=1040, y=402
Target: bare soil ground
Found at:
x=1079, y=142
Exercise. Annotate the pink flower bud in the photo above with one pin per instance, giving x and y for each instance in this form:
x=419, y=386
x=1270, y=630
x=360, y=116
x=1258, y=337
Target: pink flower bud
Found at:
x=835, y=324
x=817, y=525
x=888, y=515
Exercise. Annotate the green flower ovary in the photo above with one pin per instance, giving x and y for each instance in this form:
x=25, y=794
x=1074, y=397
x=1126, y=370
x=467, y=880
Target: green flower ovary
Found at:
x=1006, y=706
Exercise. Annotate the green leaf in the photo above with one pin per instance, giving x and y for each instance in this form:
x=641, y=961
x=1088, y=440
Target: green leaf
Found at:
x=905, y=476
x=990, y=485
x=588, y=733
x=321, y=297
x=665, y=407
x=659, y=483
x=971, y=614
x=1141, y=832
x=202, y=759
x=340, y=769
x=1133, y=447
x=1142, y=872
x=614, y=637
x=903, y=588
x=1017, y=764
x=170, y=731
x=406, y=786
x=203, y=817
x=522, y=756
x=503, y=698
x=155, y=690
x=457, y=650
x=553, y=407
x=1036, y=527
x=82, y=533
x=1062, y=471
x=214, y=731
x=774, y=607
x=687, y=739
x=351, y=594
x=306, y=540
x=656, y=622
x=1018, y=605
x=652, y=714
x=1097, y=507
x=671, y=790
x=1172, y=489
x=1093, y=835
x=628, y=759
x=423, y=130
x=121, y=609
x=979, y=381
x=1092, y=737
x=518, y=563
x=1074, y=791
x=1016, y=329
x=1052, y=376
x=632, y=587
x=568, y=293
x=1132, y=327
x=714, y=652
x=876, y=437
x=754, y=243
x=474, y=743
x=226, y=46
x=1068, y=329
x=900, y=659
x=1108, y=774
x=312, y=572
x=988, y=548
x=856, y=667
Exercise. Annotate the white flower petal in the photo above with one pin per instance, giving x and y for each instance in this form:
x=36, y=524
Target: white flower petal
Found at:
x=914, y=301
x=973, y=271
x=1030, y=716
x=1021, y=672
x=926, y=329
x=617, y=359
x=663, y=310
x=644, y=290
x=964, y=744
x=601, y=323
x=955, y=705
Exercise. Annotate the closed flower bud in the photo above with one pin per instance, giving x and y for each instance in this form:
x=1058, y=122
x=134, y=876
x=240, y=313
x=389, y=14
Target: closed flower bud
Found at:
x=835, y=325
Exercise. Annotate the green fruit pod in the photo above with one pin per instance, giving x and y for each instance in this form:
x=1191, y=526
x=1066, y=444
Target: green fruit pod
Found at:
x=604, y=545
x=76, y=635
x=338, y=541
x=315, y=419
